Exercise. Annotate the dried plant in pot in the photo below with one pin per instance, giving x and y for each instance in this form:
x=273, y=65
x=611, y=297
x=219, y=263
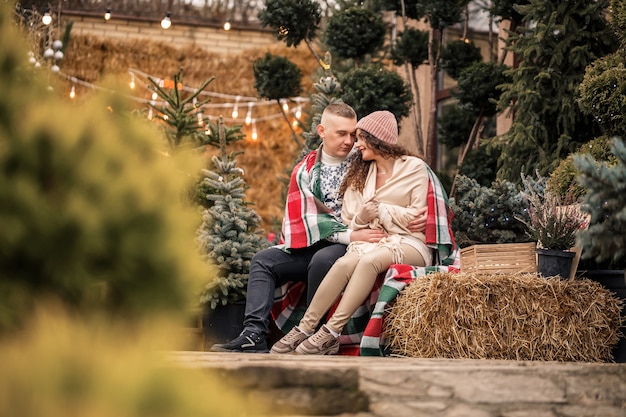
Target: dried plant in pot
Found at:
x=554, y=222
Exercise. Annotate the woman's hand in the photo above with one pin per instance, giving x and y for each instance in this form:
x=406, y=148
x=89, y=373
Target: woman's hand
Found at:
x=367, y=235
x=368, y=212
x=418, y=225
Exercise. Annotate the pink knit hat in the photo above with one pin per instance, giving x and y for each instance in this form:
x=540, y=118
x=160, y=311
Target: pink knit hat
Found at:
x=381, y=124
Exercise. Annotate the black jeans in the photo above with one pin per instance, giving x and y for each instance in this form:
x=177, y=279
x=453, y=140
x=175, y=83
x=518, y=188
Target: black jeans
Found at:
x=273, y=267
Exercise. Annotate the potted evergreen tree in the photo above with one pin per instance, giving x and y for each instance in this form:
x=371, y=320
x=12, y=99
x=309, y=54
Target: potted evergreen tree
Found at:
x=229, y=236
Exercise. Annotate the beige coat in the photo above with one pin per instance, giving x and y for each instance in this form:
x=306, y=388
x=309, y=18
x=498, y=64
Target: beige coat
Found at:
x=400, y=198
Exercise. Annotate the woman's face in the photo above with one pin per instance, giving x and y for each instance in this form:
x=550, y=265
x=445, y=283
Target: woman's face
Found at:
x=363, y=146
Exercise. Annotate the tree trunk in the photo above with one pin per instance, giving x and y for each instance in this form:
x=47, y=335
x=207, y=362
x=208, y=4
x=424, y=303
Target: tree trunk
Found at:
x=431, y=138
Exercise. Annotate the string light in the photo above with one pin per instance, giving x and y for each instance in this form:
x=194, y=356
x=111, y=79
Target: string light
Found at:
x=138, y=77
x=285, y=105
x=255, y=136
x=107, y=14
x=167, y=21
x=227, y=25
x=249, y=114
x=73, y=92
x=235, y=112
x=299, y=112
x=47, y=18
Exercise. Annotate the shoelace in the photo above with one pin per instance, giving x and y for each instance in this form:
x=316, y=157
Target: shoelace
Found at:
x=320, y=336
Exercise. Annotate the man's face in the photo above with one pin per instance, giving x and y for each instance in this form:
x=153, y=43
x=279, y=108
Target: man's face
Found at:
x=337, y=134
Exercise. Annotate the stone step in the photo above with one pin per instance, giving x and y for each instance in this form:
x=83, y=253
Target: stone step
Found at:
x=296, y=385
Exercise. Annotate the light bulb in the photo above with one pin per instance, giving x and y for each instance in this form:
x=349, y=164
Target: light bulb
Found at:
x=58, y=55
x=155, y=96
x=107, y=14
x=285, y=106
x=255, y=136
x=55, y=68
x=249, y=115
x=48, y=53
x=227, y=25
x=298, y=113
x=46, y=19
x=57, y=44
x=166, y=22
x=73, y=92
x=132, y=81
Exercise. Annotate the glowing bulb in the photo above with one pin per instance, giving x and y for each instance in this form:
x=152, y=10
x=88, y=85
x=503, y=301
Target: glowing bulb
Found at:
x=155, y=96
x=255, y=136
x=107, y=14
x=46, y=19
x=235, y=109
x=294, y=124
x=150, y=115
x=200, y=120
x=132, y=81
x=227, y=25
x=298, y=112
x=249, y=115
x=166, y=22
x=285, y=105
x=73, y=92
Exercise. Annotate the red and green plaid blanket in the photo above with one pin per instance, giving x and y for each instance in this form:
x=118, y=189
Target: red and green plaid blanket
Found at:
x=307, y=220
x=363, y=333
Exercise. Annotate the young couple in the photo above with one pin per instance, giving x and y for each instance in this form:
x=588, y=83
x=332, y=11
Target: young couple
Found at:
x=355, y=206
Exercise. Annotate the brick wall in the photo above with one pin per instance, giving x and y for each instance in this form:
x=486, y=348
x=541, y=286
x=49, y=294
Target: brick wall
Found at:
x=213, y=39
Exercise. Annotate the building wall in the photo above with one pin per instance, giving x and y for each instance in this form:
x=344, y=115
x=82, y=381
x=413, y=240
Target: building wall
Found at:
x=212, y=38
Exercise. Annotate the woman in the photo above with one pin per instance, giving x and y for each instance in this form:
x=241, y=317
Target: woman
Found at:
x=384, y=189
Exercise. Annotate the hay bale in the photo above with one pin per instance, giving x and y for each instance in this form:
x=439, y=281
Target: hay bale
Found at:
x=504, y=316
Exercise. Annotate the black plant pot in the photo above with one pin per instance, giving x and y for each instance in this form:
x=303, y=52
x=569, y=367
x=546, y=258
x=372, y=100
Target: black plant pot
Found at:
x=615, y=281
x=222, y=324
x=553, y=262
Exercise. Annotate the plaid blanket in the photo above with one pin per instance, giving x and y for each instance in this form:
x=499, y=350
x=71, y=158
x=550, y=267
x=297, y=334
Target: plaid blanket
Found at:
x=307, y=220
x=363, y=333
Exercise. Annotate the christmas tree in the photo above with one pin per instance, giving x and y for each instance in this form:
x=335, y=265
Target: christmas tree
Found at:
x=229, y=235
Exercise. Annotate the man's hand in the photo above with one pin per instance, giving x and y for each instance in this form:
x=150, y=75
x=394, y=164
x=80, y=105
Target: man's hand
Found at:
x=368, y=212
x=367, y=235
x=418, y=225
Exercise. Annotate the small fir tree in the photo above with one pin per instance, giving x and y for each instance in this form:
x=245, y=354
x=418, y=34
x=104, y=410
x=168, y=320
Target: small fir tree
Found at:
x=229, y=235
x=488, y=214
x=605, y=239
x=183, y=121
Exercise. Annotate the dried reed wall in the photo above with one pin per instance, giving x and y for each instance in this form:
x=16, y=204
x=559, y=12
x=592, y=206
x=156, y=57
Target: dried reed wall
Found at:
x=266, y=162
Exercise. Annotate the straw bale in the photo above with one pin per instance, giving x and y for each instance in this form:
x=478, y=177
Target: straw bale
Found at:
x=504, y=316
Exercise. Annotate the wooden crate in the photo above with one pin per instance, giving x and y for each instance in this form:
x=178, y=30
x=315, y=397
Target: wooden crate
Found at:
x=499, y=258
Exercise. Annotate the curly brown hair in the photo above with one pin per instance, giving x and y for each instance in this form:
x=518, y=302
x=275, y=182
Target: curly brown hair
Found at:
x=356, y=175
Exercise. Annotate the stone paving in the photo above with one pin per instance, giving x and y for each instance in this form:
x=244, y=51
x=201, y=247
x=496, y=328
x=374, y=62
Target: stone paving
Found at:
x=296, y=385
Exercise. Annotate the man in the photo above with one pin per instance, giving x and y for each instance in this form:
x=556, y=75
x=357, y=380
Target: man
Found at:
x=313, y=234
